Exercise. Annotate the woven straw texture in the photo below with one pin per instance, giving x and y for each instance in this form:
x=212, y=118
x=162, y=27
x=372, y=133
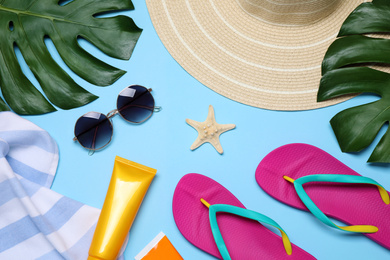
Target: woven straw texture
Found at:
x=249, y=55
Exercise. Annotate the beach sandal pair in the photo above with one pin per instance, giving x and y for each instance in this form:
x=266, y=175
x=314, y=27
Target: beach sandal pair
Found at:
x=299, y=175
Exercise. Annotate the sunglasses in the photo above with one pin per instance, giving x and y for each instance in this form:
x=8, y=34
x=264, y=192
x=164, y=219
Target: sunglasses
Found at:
x=94, y=130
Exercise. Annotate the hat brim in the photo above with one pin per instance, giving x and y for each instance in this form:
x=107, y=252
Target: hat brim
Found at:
x=247, y=59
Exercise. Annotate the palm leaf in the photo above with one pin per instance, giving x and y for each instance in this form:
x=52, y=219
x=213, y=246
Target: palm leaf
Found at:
x=345, y=71
x=25, y=23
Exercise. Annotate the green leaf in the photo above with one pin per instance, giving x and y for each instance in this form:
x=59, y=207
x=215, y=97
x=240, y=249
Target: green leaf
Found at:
x=26, y=23
x=368, y=18
x=3, y=105
x=356, y=49
x=356, y=128
x=381, y=152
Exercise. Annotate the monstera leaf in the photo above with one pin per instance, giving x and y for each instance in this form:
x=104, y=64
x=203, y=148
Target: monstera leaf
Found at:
x=26, y=23
x=348, y=68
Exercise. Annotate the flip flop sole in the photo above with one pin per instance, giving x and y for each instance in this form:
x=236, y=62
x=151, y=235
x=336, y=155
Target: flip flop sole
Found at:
x=244, y=238
x=350, y=203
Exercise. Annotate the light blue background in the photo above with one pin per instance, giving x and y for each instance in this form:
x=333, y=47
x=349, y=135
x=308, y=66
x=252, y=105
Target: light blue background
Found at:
x=163, y=143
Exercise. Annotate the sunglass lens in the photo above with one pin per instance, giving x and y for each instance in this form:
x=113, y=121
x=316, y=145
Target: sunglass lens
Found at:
x=93, y=130
x=135, y=103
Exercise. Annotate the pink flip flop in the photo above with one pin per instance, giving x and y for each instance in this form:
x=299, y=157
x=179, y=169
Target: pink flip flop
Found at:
x=244, y=238
x=332, y=190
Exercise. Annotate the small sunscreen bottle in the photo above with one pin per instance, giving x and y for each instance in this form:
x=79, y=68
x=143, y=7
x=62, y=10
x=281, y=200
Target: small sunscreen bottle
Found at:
x=159, y=248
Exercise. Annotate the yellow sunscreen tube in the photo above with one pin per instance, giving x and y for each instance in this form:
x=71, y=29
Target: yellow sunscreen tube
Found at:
x=128, y=186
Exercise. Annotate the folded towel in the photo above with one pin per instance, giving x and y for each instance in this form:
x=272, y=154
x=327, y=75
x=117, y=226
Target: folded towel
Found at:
x=36, y=222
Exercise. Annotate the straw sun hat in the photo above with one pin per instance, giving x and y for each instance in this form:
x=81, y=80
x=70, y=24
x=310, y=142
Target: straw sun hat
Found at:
x=263, y=53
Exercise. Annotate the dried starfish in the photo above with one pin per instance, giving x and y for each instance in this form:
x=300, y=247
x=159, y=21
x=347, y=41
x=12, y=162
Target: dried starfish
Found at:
x=209, y=131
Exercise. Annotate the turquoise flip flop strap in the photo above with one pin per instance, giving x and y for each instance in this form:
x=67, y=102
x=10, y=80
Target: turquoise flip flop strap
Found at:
x=312, y=207
x=246, y=213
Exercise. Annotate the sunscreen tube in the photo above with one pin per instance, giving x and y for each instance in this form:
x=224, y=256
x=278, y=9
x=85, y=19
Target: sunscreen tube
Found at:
x=128, y=186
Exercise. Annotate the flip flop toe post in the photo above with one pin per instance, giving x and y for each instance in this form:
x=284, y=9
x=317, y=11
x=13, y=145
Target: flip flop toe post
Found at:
x=214, y=220
x=308, y=178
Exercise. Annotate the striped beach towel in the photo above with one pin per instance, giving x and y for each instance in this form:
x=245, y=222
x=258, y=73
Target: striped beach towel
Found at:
x=36, y=222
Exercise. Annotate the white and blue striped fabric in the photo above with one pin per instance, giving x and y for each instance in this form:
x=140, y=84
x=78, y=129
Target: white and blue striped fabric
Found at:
x=36, y=222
